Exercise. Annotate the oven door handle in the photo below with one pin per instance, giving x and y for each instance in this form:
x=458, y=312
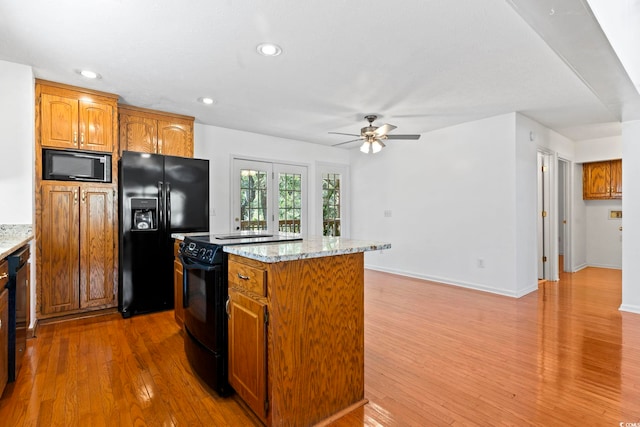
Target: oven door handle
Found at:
x=187, y=264
x=195, y=265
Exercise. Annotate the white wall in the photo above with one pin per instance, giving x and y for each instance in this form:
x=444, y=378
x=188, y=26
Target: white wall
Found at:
x=595, y=150
x=630, y=215
x=604, y=239
x=17, y=152
x=16, y=143
x=454, y=198
x=220, y=145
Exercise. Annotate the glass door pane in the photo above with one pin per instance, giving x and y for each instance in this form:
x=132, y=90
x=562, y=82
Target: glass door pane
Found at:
x=251, y=204
x=253, y=199
x=331, y=204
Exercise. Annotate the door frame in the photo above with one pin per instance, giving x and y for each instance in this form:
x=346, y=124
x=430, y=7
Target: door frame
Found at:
x=567, y=205
x=547, y=234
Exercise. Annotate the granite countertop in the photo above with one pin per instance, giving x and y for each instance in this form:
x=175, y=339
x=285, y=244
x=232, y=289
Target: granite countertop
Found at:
x=308, y=247
x=13, y=236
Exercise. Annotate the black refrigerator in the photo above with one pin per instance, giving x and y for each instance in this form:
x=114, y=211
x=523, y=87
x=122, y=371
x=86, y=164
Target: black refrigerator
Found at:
x=159, y=195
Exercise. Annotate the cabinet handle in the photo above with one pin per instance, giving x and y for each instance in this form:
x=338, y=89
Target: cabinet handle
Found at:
x=82, y=138
x=226, y=307
x=4, y=276
x=84, y=195
x=0, y=323
x=240, y=276
x=75, y=137
x=75, y=197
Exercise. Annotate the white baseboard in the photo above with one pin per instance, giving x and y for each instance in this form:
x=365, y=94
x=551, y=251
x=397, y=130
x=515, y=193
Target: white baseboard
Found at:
x=630, y=308
x=446, y=281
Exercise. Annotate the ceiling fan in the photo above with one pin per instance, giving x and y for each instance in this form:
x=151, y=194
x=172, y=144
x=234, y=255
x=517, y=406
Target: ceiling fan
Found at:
x=373, y=136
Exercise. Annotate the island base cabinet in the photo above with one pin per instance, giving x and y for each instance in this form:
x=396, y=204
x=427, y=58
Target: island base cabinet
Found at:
x=248, y=350
x=315, y=337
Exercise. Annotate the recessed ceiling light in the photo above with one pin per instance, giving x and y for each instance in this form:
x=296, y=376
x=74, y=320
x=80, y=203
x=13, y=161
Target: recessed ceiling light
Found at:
x=269, y=49
x=207, y=101
x=89, y=74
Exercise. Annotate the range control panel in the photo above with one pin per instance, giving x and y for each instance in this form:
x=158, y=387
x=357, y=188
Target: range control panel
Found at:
x=205, y=253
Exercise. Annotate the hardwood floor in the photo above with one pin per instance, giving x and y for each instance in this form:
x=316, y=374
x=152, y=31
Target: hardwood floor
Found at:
x=434, y=355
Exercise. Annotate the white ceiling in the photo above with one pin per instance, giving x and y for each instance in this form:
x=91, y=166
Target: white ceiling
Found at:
x=418, y=64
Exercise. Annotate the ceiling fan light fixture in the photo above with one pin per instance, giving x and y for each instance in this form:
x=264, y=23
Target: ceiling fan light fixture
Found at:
x=366, y=147
x=269, y=49
x=376, y=146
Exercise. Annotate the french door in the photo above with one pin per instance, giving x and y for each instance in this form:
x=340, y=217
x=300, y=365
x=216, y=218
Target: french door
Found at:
x=270, y=197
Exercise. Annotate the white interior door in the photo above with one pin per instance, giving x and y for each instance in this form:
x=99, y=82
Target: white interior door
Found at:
x=543, y=214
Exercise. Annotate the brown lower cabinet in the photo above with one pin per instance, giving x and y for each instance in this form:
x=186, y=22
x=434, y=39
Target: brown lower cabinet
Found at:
x=296, y=337
x=77, y=248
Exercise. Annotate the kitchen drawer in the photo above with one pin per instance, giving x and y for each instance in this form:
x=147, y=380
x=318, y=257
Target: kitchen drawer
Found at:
x=247, y=277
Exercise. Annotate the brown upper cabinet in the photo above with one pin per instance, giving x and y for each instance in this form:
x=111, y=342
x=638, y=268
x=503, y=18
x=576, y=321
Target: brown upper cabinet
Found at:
x=75, y=119
x=156, y=132
x=602, y=180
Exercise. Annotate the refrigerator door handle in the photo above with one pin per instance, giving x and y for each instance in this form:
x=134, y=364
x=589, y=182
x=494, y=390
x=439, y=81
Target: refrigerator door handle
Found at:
x=168, y=186
x=160, y=206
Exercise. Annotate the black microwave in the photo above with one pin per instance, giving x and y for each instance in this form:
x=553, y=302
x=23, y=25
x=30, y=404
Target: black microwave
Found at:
x=70, y=165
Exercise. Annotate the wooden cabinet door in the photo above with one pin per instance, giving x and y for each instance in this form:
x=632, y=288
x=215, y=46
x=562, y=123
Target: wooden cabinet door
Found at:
x=175, y=139
x=97, y=243
x=4, y=338
x=138, y=134
x=616, y=179
x=96, y=126
x=59, y=121
x=60, y=223
x=596, y=180
x=248, y=351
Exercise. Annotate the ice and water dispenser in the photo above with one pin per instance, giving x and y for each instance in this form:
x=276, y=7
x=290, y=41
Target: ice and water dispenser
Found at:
x=144, y=213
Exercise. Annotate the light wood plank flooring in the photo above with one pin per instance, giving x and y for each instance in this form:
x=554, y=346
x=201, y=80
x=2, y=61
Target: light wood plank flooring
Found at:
x=435, y=355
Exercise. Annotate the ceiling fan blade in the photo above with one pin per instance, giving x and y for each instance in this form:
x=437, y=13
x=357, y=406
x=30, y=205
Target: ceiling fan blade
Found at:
x=403, y=136
x=341, y=133
x=346, y=142
x=384, y=129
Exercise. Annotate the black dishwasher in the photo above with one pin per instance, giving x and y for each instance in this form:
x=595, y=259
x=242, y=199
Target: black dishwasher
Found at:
x=17, y=285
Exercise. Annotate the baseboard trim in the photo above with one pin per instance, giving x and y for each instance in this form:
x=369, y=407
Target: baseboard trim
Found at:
x=466, y=285
x=31, y=332
x=630, y=308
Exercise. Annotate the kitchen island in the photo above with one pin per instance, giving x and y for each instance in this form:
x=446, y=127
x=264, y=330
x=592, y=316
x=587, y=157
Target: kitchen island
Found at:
x=296, y=327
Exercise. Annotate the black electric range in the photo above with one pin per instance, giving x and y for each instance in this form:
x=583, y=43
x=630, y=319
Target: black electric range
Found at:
x=204, y=295
x=207, y=248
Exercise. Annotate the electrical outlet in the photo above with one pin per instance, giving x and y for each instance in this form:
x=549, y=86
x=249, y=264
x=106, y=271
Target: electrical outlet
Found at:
x=387, y=214
x=480, y=262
